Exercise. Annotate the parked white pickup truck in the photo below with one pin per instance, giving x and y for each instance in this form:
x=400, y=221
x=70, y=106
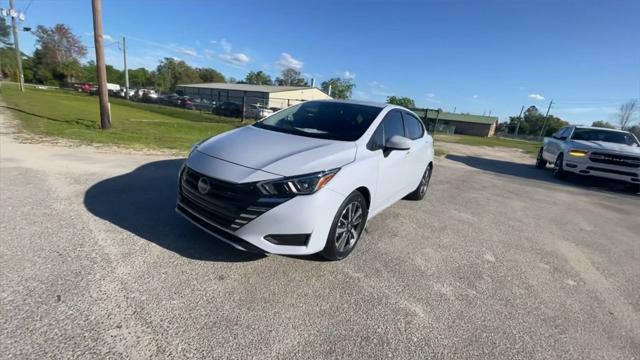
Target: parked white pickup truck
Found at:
x=606, y=153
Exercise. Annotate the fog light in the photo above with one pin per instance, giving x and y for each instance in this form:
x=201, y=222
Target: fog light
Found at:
x=288, y=239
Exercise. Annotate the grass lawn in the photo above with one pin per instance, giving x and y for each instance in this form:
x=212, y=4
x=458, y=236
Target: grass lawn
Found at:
x=530, y=147
x=141, y=126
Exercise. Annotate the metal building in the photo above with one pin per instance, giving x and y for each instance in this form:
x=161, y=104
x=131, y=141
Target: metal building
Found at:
x=267, y=95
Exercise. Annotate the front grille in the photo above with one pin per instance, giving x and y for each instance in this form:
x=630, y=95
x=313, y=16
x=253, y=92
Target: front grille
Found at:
x=227, y=205
x=615, y=159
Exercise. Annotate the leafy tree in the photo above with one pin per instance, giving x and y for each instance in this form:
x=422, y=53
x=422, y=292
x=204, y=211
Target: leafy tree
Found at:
x=140, y=77
x=171, y=72
x=340, y=88
x=258, y=78
x=114, y=76
x=401, y=101
x=603, y=124
x=209, y=75
x=533, y=122
x=58, y=50
x=5, y=32
x=291, y=77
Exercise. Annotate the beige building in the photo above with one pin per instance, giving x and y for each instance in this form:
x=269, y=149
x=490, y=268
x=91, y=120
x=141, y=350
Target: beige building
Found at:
x=267, y=95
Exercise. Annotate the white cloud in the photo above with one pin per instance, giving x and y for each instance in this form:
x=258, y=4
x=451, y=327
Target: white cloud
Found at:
x=208, y=53
x=226, y=46
x=287, y=61
x=475, y=96
x=348, y=75
x=430, y=95
x=535, y=96
x=107, y=37
x=186, y=51
x=234, y=58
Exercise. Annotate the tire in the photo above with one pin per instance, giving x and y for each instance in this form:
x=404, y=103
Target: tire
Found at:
x=340, y=246
x=541, y=163
x=423, y=186
x=558, y=168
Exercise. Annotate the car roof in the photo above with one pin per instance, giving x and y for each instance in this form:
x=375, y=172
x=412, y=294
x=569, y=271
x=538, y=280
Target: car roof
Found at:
x=598, y=128
x=355, y=102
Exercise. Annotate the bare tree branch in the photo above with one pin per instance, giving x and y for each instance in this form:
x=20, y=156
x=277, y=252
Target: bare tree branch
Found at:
x=626, y=113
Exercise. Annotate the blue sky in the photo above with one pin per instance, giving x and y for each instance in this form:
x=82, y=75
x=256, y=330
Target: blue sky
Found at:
x=474, y=56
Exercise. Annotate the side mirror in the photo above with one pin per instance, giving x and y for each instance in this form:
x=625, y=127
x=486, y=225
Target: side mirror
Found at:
x=398, y=142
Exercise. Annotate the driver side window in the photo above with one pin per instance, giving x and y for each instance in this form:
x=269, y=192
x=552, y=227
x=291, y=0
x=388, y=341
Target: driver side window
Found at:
x=391, y=125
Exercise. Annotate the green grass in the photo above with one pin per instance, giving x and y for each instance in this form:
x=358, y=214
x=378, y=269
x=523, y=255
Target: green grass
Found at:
x=530, y=147
x=140, y=126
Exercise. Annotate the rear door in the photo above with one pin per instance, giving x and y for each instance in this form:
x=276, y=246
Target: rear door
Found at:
x=394, y=172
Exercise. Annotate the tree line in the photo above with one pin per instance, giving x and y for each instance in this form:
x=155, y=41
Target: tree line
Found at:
x=57, y=61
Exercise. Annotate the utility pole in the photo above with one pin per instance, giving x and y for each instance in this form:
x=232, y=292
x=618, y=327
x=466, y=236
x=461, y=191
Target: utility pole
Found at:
x=105, y=110
x=14, y=14
x=546, y=117
x=435, y=127
x=519, y=119
x=126, y=72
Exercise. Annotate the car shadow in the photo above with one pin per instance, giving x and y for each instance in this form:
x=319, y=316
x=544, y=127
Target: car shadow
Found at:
x=529, y=171
x=143, y=203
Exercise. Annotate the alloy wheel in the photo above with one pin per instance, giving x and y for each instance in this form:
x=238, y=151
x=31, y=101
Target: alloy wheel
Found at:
x=424, y=182
x=349, y=226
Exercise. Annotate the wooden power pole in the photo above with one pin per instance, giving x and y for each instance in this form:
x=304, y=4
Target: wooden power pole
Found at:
x=126, y=71
x=16, y=45
x=105, y=110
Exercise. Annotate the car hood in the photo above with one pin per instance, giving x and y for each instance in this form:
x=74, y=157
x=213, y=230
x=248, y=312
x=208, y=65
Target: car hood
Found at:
x=608, y=146
x=278, y=153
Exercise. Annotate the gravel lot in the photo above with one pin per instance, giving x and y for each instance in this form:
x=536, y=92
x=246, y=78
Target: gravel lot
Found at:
x=499, y=262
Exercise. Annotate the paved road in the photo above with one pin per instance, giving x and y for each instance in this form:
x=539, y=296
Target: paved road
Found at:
x=499, y=262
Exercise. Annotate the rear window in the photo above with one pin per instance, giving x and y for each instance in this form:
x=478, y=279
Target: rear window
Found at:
x=323, y=119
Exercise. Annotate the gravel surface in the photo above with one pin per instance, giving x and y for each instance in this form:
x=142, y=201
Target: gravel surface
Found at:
x=500, y=261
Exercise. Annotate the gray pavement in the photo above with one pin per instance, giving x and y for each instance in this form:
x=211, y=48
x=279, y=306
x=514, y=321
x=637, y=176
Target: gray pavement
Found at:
x=500, y=261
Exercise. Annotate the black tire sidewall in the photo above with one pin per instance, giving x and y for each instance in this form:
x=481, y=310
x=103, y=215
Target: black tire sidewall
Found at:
x=330, y=250
x=558, y=169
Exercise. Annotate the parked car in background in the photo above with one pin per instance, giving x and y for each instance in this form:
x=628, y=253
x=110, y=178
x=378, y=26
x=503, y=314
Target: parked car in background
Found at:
x=605, y=153
x=186, y=103
x=321, y=169
x=257, y=111
x=202, y=104
x=228, y=108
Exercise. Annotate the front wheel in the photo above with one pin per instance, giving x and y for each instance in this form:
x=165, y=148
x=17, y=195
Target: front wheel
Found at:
x=347, y=227
x=558, y=168
x=423, y=186
x=541, y=163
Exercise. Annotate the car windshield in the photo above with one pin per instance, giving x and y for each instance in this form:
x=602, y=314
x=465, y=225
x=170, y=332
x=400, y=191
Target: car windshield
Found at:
x=617, y=137
x=323, y=119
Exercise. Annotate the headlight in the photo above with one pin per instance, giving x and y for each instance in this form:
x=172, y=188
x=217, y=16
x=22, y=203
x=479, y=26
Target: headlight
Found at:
x=298, y=185
x=578, y=153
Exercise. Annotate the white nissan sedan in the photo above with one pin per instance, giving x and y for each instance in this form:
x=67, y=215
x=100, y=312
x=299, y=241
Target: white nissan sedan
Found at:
x=307, y=178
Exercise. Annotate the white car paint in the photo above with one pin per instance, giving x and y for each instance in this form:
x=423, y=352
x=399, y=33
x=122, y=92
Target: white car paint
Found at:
x=251, y=154
x=562, y=142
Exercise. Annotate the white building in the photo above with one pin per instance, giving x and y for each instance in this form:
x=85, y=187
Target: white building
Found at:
x=267, y=95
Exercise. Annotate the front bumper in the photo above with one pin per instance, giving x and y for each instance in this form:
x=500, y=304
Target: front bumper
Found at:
x=311, y=215
x=587, y=167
